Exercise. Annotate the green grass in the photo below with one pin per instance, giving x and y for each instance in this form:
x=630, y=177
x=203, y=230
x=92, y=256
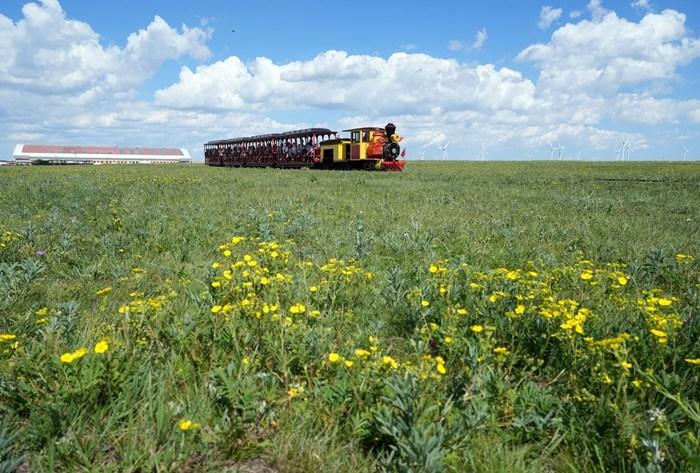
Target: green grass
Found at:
x=259, y=386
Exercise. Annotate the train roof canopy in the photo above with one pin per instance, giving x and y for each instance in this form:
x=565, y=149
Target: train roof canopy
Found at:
x=366, y=128
x=307, y=132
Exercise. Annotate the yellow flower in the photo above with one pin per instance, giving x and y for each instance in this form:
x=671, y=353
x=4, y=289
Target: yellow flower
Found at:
x=693, y=361
x=101, y=292
x=448, y=340
x=425, y=303
x=663, y=302
x=264, y=281
x=334, y=357
x=440, y=367
x=390, y=361
x=216, y=309
x=361, y=353
x=586, y=275
x=45, y=311
x=622, y=280
x=67, y=358
x=349, y=363
x=79, y=353
x=501, y=351
x=658, y=333
x=186, y=424
x=461, y=311
x=313, y=289
x=297, y=309
x=295, y=391
x=520, y=309
x=476, y=328
x=433, y=269
x=245, y=360
x=216, y=284
x=637, y=383
x=137, y=270
x=7, y=337
x=101, y=346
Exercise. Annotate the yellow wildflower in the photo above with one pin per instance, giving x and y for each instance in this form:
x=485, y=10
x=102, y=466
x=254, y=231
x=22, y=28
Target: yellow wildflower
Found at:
x=503, y=351
x=186, y=424
x=586, y=275
x=7, y=336
x=658, y=333
x=334, y=357
x=216, y=284
x=440, y=367
x=693, y=361
x=297, y=309
x=477, y=328
x=101, y=346
x=361, y=353
x=349, y=363
x=101, y=292
x=622, y=280
x=390, y=361
x=663, y=302
x=67, y=358
x=216, y=309
x=519, y=309
x=425, y=303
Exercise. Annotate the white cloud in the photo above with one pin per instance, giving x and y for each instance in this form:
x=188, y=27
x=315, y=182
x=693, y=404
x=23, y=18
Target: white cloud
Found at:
x=402, y=83
x=642, y=5
x=548, y=15
x=455, y=45
x=613, y=52
x=44, y=52
x=480, y=38
x=597, y=10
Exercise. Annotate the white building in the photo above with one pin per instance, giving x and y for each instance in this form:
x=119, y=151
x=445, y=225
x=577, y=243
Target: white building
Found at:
x=32, y=154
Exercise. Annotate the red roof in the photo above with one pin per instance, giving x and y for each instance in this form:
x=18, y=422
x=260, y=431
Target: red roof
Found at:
x=52, y=149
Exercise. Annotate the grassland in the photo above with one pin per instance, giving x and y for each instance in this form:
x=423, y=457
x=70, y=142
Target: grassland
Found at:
x=455, y=317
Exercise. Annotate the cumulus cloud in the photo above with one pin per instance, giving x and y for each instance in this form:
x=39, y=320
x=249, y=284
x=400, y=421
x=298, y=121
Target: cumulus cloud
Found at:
x=548, y=15
x=402, y=83
x=613, y=52
x=46, y=53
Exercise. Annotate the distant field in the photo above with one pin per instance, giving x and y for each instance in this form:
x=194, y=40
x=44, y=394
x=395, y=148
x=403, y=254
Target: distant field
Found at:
x=510, y=317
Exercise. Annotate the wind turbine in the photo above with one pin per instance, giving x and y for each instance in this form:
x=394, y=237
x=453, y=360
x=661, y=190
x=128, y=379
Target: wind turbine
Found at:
x=624, y=148
x=422, y=155
x=685, y=153
x=444, y=150
x=552, y=149
x=560, y=150
x=483, y=153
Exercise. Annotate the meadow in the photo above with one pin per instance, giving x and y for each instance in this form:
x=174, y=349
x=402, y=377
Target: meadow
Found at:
x=490, y=317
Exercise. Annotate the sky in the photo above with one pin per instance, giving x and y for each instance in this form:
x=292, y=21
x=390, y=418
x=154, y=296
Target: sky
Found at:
x=497, y=80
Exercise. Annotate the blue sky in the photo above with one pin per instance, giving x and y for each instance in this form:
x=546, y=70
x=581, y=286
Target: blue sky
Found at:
x=515, y=79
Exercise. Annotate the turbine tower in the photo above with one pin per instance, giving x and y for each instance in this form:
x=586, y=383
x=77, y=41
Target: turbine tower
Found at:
x=685, y=153
x=623, y=150
x=444, y=150
x=560, y=151
x=483, y=153
x=552, y=149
